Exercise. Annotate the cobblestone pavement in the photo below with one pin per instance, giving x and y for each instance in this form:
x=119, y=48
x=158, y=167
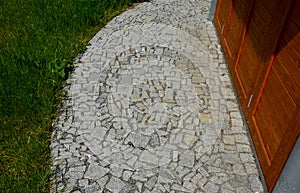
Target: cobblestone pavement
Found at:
x=151, y=108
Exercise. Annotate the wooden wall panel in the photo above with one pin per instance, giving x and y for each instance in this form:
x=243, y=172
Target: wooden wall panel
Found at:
x=261, y=41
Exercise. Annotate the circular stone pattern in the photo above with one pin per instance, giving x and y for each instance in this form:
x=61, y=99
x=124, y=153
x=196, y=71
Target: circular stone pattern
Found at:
x=142, y=93
x=153, y=107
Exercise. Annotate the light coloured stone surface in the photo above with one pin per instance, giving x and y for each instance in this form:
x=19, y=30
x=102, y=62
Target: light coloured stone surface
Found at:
x=151, y=108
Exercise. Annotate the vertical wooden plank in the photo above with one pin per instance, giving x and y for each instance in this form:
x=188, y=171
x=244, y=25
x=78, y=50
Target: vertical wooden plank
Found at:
x=249, y=38
x=235, y=29
x=274, y=122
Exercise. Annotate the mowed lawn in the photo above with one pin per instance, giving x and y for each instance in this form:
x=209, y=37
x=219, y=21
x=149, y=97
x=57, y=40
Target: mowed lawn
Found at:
x=39, y=40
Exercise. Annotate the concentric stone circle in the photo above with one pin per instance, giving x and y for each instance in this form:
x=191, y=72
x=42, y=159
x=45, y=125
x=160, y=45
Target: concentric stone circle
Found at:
x=155, y=122
x=151, y=109
x=143, y=81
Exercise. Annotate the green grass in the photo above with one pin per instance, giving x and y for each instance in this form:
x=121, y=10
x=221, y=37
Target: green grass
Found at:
x=39, y=39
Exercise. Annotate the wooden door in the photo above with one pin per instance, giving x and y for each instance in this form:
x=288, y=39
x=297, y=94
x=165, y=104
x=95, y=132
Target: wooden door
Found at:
x=275, y=118
x=263, y=31
x=223, y=11
x=232, y=28
x=261, y=44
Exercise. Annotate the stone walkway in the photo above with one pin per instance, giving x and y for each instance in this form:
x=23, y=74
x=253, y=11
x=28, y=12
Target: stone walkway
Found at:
x=151, y=108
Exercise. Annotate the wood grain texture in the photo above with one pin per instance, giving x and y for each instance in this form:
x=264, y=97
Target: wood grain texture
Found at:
x=261, y=41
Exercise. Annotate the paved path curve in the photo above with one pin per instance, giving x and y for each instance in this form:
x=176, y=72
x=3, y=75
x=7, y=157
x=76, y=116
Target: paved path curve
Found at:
x=151, y=109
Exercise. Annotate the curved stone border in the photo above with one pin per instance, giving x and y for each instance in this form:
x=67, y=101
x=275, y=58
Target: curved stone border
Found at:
x=151, y=109
x=154, y=35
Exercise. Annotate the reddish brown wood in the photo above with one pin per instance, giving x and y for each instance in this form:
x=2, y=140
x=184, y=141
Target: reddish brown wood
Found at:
x=232, y=28
x=285, y=94
x=273, y=113
x=222, y=13
x=257, y=51
x=284, y=150
x=261, y=41
x=235, y=28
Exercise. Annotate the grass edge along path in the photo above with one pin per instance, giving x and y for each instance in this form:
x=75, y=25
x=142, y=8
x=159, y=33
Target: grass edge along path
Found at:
x=38, y=42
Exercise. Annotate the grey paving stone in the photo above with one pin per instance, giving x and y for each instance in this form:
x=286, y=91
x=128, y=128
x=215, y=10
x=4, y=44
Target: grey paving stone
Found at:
x=151, y=182
x=149, y=158
x=91, y=188
x=168, y=176
x=255, y=183
x=243, y=189
x=137, y=140
x=126, y=175
x=95, y=172
x=187, y=158
x=211, y=187
x=240, y=181
x=231, y=158
x=247, y=158
x=115, y=184
x=151, y=108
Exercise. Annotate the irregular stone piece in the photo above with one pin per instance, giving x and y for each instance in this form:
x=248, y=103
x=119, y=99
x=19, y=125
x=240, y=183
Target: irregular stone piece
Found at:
x=211, y=187
x=168, y=176
x=148, y=157
x=205, y=118
x=175, y=156
x=187, y=158
x=95, y=171
x=154, y=141
x=126, y=175
x=115, y=185
x=137, y=140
